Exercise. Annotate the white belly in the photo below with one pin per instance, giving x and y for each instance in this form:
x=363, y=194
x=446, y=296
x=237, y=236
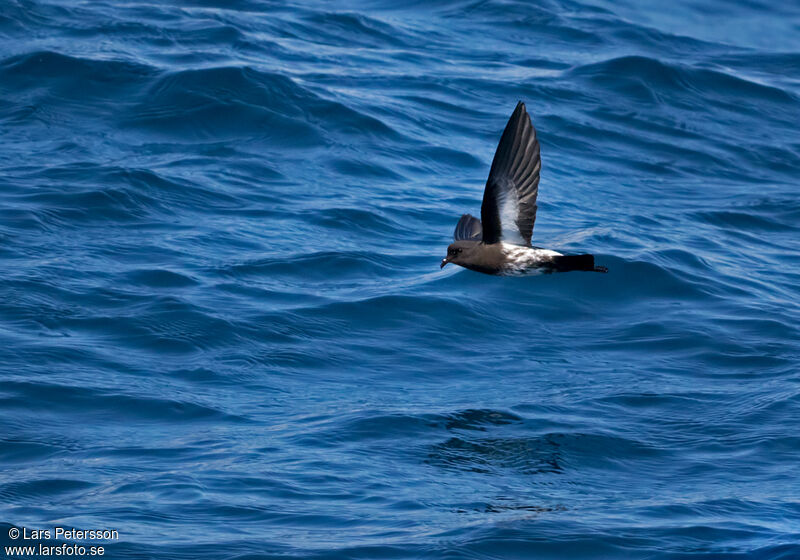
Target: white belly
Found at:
x=525, y=260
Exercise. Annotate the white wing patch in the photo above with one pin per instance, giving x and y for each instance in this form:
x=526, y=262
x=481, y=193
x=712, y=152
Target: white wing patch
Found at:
x=508, y=208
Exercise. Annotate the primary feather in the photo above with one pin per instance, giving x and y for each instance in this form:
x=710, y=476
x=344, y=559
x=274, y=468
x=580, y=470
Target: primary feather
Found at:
x=509, y=205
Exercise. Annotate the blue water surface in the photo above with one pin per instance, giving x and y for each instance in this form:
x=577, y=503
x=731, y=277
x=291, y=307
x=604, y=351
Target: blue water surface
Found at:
x=224, y=332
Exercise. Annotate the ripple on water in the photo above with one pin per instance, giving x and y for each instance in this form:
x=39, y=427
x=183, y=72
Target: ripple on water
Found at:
x=223, y=325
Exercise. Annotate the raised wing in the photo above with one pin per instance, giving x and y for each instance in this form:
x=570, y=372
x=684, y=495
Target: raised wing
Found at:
x=509, y=200
x=469, y=228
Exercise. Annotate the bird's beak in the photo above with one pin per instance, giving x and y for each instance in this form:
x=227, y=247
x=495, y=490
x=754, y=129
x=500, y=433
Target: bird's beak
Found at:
x=444, y=262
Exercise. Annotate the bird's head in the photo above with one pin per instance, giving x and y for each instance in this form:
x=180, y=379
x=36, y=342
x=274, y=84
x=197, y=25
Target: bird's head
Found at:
x=459, y=252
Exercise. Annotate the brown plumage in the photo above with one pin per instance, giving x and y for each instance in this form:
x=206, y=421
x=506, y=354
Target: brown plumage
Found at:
x=500, y=242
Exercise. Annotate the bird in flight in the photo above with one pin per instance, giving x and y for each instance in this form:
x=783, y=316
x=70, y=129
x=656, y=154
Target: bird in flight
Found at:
x=500, y=242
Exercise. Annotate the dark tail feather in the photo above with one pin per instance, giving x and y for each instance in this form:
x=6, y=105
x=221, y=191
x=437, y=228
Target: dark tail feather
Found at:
x=567, y=263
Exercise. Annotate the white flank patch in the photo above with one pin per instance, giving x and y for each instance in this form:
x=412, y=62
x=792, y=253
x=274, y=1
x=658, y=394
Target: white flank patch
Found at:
x=525, y=260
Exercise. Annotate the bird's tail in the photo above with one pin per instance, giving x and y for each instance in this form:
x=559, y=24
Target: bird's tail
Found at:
x=567, y=263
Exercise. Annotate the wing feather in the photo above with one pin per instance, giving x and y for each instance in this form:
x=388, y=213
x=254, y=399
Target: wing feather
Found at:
x=468, y=228
x=509, y=205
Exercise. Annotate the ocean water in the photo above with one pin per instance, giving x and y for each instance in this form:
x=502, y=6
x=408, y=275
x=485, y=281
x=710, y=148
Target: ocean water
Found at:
x=224, y=332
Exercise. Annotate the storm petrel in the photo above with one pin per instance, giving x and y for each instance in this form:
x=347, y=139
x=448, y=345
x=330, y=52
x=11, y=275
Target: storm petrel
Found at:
x=500, y=242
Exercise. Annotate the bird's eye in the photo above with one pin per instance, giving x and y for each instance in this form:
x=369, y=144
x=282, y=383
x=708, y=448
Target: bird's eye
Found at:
x=458, y=250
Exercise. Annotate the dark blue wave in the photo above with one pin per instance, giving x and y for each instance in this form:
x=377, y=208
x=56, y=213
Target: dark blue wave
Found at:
x=224, y=328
